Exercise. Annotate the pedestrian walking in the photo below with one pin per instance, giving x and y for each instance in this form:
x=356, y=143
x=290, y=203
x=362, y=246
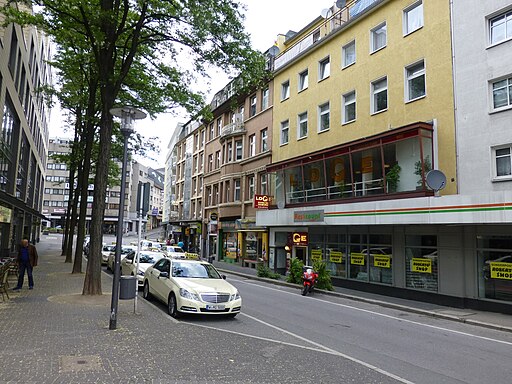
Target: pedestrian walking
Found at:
x=27, y=260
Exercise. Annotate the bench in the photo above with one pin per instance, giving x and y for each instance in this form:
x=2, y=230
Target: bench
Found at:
x=251, y=263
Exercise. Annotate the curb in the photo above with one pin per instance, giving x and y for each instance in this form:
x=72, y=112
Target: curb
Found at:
x=380, y=303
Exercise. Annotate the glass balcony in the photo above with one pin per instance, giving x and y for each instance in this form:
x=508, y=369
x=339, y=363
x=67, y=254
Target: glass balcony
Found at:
x=233, y=129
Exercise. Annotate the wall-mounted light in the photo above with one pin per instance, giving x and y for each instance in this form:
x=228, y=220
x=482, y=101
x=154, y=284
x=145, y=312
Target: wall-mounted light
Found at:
x=287, y=248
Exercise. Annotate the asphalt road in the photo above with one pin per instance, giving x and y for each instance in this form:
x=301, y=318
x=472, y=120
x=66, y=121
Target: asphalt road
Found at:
x=399, y=345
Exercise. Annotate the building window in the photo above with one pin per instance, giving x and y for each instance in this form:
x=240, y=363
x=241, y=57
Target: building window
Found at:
x=219, y=125
x=379, y=95
x=48, y=191
x=502, y=93
x=413, y=17
x=302, y=126
x=323, y=117
x=501, y=27
x=303, y=80
x=237, y=190
x=229, y=152
x=227, y=190
x=349, y=54
x=252, y=110
x=252, y=145
x=263, y=184
x=349, y=107
x=239, y=150
x=324, y=68
x=250, y=189
x=264, y=140
x=378, y=37
x=203, y=135
x=210, y=163
x=264, y=98
x=415, y=81
x=217, y=159
x=209, y=195
x=212, y=132
x=285, y=90
x=316, y=36
x=285, y=126
x=503, y=162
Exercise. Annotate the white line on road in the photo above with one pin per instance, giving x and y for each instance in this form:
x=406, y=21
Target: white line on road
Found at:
x=382, y=314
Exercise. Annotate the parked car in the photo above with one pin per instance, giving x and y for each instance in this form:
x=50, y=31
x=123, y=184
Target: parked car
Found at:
x=87, y=242
x=191, y=286
x=105, y=252
x=125, y=250
x=173, y=251
x=146, y=260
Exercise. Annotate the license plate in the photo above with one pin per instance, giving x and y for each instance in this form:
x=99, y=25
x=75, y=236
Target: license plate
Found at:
x=216, y=307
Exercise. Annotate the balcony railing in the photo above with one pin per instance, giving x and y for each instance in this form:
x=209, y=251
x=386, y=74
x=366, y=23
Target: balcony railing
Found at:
x=235, y=128
x=331, y=24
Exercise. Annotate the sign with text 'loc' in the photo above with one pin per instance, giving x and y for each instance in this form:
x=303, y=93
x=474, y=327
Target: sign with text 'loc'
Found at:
x=262, y=201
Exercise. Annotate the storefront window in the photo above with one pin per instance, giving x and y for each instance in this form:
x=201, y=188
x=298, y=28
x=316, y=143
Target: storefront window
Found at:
x=358, y=257
x=380, y=259
x=293, y=185
x=336, y=254
x=495, y=267
x=252, y=246
x=314, y=181
x=230, y=245
x=339, y=177
x=421, y=262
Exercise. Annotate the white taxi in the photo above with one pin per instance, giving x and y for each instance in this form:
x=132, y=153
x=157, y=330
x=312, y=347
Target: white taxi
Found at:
x=191, y=286
x=146, y=260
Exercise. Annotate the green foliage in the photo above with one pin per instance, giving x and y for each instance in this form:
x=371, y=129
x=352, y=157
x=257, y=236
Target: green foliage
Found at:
x=264, y=271
x=393, y=177
x=295, y=275
x=324, y=276
x=427, y=165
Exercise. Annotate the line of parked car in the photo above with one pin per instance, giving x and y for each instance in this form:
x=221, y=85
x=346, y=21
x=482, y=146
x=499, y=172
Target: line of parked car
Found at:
x=181, y=280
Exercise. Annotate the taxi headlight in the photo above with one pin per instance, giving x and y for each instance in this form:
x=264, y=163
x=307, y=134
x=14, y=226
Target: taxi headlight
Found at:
x=189, y=295
x=235, y=296
x=141, y=273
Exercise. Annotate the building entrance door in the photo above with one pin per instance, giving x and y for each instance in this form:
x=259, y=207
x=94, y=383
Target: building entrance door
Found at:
x=301, y=253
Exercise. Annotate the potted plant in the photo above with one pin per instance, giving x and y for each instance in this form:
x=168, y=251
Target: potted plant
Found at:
x=427, y=167
x=392, y=178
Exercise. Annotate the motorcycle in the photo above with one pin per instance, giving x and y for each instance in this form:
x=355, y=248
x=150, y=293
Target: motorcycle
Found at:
x=309, y=278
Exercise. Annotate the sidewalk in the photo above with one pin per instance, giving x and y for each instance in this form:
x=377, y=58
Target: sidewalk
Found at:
x=491, y=320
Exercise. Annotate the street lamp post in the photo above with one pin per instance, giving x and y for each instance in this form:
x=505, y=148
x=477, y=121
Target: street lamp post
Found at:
x=127, y=115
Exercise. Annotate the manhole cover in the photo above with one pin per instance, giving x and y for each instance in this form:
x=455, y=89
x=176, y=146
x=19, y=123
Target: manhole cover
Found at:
x=80, y=363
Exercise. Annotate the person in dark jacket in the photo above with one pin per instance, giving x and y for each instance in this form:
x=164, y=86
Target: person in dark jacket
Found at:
x=27, y=260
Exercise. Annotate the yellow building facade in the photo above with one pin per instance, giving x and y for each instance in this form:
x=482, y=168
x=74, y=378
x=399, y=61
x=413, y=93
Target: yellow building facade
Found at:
x=341, y=64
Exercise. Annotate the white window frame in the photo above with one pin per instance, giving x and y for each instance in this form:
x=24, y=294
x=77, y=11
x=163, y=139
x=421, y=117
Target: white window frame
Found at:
x=495, y=176
x=345, y=104
x=302, y=118
x=265, y=98
x=252, y=145
x=373, y=111
x=303, y=81
x=239, y=150
x=285, y=90
x=253, y=108
x=263, y=184
x=250, y=187
x=508, y=90
x=373, y=34
x=507, y=15
x=408, y=77
x=285, y=128
x=322, y=113
x=346, y=64
x=229, y=152
x=324, y=68
x=236, y=190
x=264, y=139
x=406, y=15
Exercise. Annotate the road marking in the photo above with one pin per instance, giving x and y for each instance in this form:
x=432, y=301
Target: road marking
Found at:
x=323, y=349
x=384, y=315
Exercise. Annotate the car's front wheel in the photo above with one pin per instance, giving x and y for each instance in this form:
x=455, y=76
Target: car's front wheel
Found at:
x=172, y=306
x=145, y=293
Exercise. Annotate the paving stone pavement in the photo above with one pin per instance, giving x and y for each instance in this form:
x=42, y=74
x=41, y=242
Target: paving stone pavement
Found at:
x=53, y=335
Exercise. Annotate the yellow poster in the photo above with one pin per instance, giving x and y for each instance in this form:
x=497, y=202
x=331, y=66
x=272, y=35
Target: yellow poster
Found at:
x=316, y=254
x=335, y=257
x=357, y=258
x=421, y=265
x=501, y=271
x=381, y=261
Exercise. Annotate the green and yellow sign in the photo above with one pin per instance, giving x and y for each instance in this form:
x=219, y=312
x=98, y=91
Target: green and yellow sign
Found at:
x=381, y=261
x=501, y=270
x=336, y=257
x=316, y=254
x=357, y=258
x=421, y=265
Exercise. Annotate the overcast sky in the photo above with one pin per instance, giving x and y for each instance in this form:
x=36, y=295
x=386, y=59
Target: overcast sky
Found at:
x=265, y=19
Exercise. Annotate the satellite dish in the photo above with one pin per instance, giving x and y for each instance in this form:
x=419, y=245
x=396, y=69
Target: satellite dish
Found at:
x=436, y=180
x=341, y=3
x=325, y=13
x=273, y=50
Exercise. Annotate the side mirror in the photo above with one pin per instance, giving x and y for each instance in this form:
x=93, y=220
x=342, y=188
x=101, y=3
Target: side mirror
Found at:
x=223, y=276
x=164, y=274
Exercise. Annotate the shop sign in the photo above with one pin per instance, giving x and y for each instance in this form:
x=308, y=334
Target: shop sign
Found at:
x=381, y=261
x=5, y=214
x=262, y=201
x=300, y=238
x=421, y=265
x=154, y=212
x=501, y=271
x=336, y=257
x=214, y=216
x=309, y=216
x=227, y=225
x=247, y=223
x=357, y=258
x=316, y=254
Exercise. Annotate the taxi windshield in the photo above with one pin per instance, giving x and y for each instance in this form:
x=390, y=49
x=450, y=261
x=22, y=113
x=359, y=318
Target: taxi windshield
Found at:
x=194, y=270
